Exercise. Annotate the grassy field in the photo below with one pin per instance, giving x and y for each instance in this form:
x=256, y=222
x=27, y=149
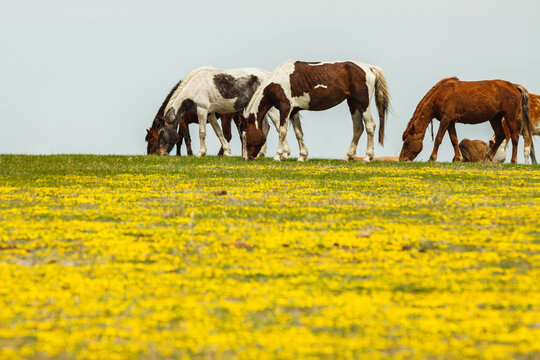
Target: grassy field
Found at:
x=109, y=257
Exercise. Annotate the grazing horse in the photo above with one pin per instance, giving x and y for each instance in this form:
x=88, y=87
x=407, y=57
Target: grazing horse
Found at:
x=183, y=132
x=534, y=113
x=476, y=150
x=467, y=102
x=205, y=92
x=158, y=123
x=296, y=85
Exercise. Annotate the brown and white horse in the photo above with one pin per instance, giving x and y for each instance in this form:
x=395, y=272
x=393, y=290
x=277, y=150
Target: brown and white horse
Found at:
x=184, y=135
x=453, y=101
x=205, y=92
x=296, y=85
x=528, y=147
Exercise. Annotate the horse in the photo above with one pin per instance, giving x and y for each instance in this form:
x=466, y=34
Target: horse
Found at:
x=297, y=85
x=476, y=150
x=468, y=102
x=205, y=92
x=158, y=122
x=534, y=113
x=183, y=132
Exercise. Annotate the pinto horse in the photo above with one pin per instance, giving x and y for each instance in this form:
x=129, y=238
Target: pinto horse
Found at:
x=467, y=102
x=296, y=85
x=206, y=92
x=534, y=113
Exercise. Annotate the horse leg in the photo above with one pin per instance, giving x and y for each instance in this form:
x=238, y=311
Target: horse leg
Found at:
x=438, y=139
x=180, y=138
x=453, y=138
x=303, y=156
x=497, y=127
x=217, y=129
x=184, y=133
x=284, y=146
x=513, y=124
x=370, y=130
x=226, y=126
x=284, y=115
x=265, y=129
x=358, y=129
x=179, y=145
x=202, y=115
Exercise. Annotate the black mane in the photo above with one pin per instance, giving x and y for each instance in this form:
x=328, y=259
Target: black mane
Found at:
x=159, y=116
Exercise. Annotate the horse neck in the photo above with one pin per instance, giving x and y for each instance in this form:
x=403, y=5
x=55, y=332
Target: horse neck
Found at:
x=425, y=112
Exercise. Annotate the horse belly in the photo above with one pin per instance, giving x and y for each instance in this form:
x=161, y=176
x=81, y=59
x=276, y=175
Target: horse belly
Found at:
x=223, y=106
x=322, y=98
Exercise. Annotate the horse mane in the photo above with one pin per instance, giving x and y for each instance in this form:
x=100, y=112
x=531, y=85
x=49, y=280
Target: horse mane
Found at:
x=425, y=101
x=182, y=85
x=161, y=110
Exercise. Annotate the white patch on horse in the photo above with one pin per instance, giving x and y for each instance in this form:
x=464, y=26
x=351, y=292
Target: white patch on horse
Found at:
x=324, y=63
x=320, y=86
x=302, y=101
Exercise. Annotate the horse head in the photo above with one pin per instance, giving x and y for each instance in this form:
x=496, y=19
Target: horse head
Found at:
x=255, y=138
x=167, y=139
x=412, y=143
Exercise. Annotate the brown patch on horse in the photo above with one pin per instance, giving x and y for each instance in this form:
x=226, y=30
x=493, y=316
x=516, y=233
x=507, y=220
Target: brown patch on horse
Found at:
x=473, y=150
x=337, y=84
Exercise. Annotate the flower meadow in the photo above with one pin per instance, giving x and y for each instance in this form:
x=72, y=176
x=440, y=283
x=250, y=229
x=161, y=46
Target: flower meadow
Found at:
x=114, y=257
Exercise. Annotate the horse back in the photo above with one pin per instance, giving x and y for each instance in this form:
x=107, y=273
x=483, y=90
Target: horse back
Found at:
x=479, y=101
x=328, y=84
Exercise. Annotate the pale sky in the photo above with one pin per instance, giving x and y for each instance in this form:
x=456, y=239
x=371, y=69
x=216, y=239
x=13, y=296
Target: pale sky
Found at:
x=88, y=77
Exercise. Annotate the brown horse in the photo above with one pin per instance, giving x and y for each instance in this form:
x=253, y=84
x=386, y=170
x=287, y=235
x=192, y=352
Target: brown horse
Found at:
x=476, y=150
x=183, y=132
x=453, y=101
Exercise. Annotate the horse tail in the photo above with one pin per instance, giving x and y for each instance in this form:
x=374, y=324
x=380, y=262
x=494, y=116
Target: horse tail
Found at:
x=382, y=99
x=533, y=156
x=526, y=125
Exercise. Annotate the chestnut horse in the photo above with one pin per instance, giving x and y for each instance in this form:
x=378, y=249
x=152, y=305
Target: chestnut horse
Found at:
x=468, y=102
x=476, y=150
x=296, y=85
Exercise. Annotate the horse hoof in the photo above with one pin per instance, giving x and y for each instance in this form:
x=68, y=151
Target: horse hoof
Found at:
x=302, y=158
x=277, y=158
x=200, y=154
